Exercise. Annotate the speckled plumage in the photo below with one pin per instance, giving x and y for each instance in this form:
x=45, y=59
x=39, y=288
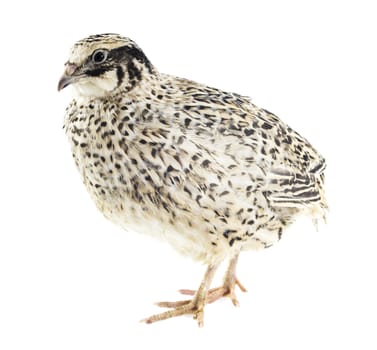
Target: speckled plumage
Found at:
x=205, y=170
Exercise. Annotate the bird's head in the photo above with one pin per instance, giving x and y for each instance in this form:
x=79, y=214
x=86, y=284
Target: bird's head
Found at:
x=102, y=64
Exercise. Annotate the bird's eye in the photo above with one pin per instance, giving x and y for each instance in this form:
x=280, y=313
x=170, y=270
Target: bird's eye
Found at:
x=99, y=56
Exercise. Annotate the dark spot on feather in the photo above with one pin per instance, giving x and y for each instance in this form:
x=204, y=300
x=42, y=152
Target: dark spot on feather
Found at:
x=248, y=132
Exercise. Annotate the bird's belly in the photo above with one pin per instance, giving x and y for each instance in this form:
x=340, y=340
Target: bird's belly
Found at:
x=191, y=241
x=204, y=226
x=191, y=233
x=128, y=201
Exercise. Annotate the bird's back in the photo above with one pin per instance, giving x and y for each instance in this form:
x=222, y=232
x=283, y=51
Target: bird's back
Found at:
x=256, y=141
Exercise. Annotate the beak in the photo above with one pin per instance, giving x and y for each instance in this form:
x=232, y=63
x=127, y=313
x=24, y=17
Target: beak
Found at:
x=69, y=76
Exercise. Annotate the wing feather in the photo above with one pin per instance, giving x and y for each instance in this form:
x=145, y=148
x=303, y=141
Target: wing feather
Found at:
x=292, y=189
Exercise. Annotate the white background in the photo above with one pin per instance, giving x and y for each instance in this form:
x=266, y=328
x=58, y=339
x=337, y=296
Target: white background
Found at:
x=71, y=280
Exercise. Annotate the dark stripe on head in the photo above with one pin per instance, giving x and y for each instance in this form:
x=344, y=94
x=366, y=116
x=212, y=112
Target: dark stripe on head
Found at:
x=97, y=71
x=120, y=75
x=133, y=72
x=127, y=52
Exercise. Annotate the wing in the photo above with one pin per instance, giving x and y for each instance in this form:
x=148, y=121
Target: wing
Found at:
x=239, y=134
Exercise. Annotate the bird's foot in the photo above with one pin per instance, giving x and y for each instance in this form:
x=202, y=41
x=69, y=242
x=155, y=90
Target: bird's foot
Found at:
x=226, y=290
x=188, y=307
x=194, y=307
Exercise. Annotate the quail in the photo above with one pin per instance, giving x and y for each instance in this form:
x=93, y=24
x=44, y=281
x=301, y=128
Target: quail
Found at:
x=205, y=170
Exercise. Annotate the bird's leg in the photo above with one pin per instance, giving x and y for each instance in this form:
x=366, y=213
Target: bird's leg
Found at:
x=227, y=289
x=229, y=284
x=194, y=306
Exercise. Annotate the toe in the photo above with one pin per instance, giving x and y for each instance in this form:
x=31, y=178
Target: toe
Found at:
x=187, y=291
x=172, y=304
x=240, y=285
x=199, y=317
x=193, y=307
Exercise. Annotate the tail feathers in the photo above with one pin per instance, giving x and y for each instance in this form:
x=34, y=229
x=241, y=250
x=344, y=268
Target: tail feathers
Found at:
x=301, y=191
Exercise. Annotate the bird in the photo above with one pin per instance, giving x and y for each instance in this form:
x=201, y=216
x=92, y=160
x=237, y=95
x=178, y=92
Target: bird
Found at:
x=207, y=171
